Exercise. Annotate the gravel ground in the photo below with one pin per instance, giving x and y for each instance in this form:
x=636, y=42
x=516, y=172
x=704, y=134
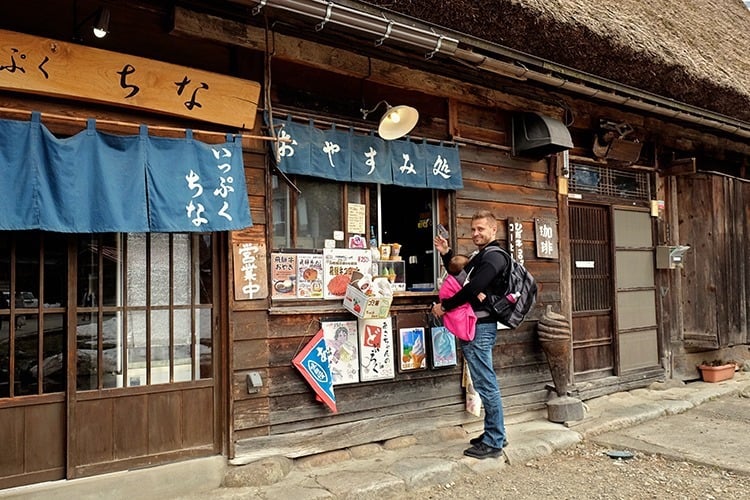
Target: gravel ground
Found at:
x=587, y=472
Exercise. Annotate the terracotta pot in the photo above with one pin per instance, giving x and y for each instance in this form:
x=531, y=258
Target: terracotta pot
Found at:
x=717, y=373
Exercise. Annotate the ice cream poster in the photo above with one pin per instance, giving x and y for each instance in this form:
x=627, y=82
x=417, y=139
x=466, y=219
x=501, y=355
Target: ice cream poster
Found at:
x=312, y=362
x=443, y=347
x=341, y=347
x=376, y=349
x=412, y=349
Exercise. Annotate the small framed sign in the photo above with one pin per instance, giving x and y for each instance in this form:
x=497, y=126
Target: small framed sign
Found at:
x=412, y=349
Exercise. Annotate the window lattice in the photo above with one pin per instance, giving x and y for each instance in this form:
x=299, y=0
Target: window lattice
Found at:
x=609, y=182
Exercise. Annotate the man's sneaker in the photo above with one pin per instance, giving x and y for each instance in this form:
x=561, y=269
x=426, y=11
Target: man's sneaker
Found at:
x=475, y=441
x=482, y=451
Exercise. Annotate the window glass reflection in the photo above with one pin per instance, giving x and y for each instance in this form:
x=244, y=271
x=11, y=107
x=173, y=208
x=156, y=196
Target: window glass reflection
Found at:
x=26, y=351
x=181, y=352
x=159, y=347
x=205, y=347
x=136, y=341
x=53, y=346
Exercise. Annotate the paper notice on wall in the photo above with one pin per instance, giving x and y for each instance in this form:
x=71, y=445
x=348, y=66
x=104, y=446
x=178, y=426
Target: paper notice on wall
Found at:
x=356, y=218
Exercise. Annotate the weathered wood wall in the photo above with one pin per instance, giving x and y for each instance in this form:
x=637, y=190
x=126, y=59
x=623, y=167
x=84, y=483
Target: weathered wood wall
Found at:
x=284, y=414
x=714, y=222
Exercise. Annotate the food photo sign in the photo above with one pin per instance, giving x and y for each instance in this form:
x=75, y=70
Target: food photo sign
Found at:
x=338, y=266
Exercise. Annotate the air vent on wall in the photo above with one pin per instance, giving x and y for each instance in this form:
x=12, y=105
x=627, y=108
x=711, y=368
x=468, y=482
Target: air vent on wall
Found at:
x=536, y=136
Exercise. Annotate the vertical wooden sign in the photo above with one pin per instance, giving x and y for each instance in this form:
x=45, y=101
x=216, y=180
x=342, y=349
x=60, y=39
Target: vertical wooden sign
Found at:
x=250, y=275
x=546, y=238
x=515, y=239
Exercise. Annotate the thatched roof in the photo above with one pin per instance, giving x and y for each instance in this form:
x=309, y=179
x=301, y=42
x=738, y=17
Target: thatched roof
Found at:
x=693, y=51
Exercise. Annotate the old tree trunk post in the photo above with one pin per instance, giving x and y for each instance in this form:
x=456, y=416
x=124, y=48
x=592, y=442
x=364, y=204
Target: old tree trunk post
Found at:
x=555, y=337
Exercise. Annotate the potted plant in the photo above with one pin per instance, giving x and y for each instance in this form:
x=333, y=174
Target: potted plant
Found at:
x=717, y=370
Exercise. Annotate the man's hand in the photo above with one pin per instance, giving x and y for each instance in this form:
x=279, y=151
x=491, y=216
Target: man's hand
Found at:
x=481, y=296
x=441, y=244
x=437, y=310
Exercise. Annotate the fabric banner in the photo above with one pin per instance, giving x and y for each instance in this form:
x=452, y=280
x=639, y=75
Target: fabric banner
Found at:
x=345, y=156
x=94, y=182
x=18, y=171
x=408, y=163
x=193, y=186
x=331, y=154
x=443, y=167
x=371, y=161
x=294, y=148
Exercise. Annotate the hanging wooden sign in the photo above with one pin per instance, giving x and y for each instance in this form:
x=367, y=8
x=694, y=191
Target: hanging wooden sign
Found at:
x=515, y=239
x=43, y=66
x=250, y=275
x=546, y=238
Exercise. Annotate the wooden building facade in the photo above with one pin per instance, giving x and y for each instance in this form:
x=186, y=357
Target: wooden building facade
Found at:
x=640, y=177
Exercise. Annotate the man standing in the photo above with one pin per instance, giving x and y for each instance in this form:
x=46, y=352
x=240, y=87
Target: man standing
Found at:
x=482, y=270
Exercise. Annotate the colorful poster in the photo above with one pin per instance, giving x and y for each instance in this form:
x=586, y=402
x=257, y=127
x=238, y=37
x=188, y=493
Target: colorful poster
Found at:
x=283, y=276
x=341, y=347
x=338, y=266
x=309, y=276
x=312, y=362
x=376, y=349
x=443, y=347
x=412, y=349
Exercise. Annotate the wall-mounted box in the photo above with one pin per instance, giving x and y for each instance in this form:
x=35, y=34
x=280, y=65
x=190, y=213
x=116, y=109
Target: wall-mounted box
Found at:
x=670, y=257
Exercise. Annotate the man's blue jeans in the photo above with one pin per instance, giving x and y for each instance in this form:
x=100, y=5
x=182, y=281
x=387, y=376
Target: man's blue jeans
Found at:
x=478, y=355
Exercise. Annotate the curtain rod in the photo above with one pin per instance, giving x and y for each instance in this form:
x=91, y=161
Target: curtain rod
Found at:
x=63, y=119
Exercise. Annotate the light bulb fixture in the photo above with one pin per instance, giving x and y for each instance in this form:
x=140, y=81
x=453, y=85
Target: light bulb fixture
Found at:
x=397, y=121
x=101, y=26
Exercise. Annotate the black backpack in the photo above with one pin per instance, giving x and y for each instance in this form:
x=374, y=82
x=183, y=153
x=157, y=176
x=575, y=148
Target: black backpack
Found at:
x=513, y=294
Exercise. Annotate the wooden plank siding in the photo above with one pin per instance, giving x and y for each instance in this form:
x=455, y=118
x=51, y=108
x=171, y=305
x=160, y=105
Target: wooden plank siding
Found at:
x=285, y=407
x=715, y=285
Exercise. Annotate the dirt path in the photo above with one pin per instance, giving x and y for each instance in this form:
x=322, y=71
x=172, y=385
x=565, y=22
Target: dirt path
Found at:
x=587, y=472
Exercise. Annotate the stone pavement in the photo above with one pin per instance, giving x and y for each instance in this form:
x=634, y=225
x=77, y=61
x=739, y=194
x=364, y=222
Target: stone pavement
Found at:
x=701, y=422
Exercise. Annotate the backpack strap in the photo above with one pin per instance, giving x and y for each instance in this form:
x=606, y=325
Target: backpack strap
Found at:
x=506, y=276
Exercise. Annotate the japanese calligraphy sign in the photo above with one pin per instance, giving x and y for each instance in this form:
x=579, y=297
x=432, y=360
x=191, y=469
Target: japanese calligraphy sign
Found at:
x=344, y=156
x=249, y=270
x=93, y=182
x=546, y=238
x=515, y=239
x=312, y=363
x=42, y=66
x=376, y=360
x=194, y=186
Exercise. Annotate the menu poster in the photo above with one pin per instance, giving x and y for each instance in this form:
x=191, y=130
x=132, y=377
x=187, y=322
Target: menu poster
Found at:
x=309, y=276
x=283, y=276
x=376, y=349
x=341, y=348
x=338, y=266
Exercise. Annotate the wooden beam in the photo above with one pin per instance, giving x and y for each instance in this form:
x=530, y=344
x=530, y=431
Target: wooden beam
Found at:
x=683, y=166
x=203, y=26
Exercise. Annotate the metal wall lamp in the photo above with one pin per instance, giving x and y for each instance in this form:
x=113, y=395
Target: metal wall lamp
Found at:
x=100, y=26
x=397, y=121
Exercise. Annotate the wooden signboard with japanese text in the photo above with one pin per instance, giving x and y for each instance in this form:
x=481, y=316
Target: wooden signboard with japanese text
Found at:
x=250, y=275
x=515, y=239
x=49, y=67
x=546, y=238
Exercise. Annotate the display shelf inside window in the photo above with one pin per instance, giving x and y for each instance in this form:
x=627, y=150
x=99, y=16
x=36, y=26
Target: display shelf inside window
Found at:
x=395, y=271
